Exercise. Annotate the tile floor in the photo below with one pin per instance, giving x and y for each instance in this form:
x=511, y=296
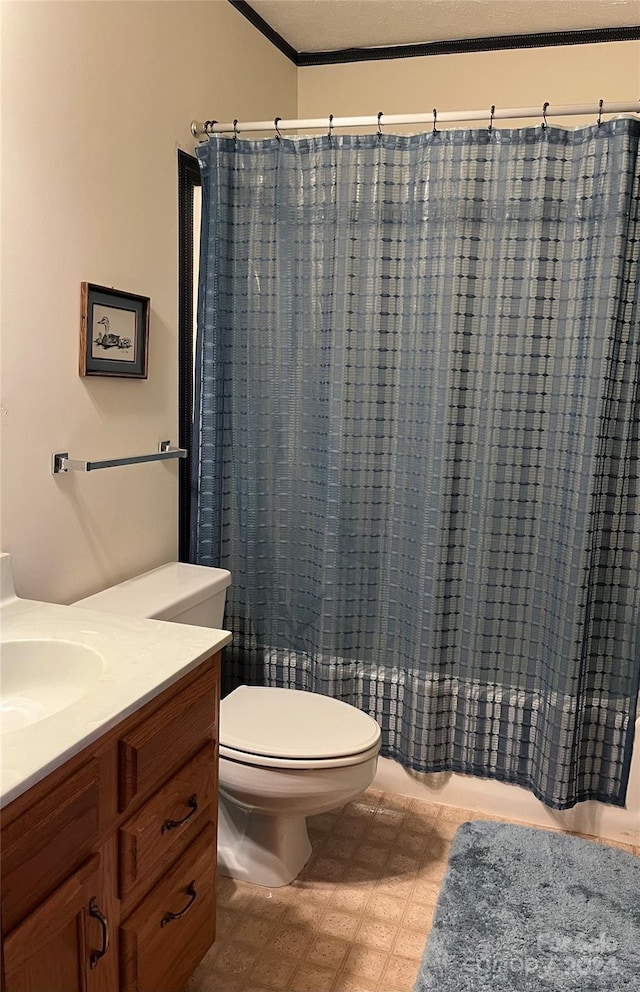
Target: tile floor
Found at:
x=357, y=918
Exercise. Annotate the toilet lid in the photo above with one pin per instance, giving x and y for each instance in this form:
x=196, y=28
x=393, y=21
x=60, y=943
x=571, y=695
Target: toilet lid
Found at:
x=291, y=723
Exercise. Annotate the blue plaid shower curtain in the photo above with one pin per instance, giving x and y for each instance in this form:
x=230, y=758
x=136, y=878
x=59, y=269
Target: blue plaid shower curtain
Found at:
x=416, y=438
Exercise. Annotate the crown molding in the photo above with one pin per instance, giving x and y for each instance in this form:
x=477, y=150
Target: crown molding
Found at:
x=495, y=43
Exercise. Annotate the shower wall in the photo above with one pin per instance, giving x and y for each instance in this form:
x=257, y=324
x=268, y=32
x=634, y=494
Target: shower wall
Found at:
x=519, y=78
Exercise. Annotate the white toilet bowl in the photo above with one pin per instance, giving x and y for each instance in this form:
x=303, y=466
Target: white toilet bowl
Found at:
x=285, y=755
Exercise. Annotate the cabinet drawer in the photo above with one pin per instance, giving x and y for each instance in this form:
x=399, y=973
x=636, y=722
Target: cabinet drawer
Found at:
x=163, y=940
x=166, y=739
x=48, y=841
x=168, y=821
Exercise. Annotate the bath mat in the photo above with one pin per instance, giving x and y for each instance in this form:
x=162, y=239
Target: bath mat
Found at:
x=526, y=910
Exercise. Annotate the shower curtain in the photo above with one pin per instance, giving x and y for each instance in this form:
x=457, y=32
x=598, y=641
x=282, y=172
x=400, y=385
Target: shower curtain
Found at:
x=416, y=438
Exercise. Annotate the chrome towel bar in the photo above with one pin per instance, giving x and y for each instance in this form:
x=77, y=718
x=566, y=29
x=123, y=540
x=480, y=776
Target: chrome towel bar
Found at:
x=60, y=462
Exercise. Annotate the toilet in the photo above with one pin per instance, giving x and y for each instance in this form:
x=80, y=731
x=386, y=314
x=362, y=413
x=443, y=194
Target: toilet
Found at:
x=285, y=754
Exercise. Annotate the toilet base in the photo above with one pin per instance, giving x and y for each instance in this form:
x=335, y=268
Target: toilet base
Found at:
x=265, y=850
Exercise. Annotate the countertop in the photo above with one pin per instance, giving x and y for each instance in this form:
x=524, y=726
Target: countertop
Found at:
x=140, y=658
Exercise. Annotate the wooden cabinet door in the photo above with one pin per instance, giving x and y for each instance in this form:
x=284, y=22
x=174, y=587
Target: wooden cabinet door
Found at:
x=47, y=841
x=58, y=947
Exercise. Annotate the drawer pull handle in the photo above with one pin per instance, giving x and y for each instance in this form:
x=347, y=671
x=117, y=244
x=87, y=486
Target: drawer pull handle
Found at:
x=191, y=892
x=102, y=920
x=192, y=803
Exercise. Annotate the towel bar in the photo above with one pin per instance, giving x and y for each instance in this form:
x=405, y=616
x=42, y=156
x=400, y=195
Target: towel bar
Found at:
x=60, y=462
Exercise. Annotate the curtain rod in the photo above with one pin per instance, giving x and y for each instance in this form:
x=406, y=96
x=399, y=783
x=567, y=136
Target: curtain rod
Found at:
x=200, y=128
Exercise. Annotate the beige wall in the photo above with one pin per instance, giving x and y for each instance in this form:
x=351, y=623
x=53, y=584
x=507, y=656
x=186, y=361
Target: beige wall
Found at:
x=576, y=74
x=96, y=99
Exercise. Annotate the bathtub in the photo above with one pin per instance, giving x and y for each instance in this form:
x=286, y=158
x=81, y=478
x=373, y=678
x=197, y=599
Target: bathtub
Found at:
x=503, y=799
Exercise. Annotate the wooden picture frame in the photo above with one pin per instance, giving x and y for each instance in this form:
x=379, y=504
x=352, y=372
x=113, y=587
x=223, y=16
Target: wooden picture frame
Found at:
x=114, y=332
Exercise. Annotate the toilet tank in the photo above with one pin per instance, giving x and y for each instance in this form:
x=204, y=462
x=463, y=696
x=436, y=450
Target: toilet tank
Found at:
x=177, y=591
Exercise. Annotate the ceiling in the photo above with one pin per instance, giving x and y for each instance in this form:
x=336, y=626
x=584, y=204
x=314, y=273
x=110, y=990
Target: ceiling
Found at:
x=328, y=25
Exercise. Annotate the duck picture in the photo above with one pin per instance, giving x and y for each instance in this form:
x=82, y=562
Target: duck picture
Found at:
x=108, y=340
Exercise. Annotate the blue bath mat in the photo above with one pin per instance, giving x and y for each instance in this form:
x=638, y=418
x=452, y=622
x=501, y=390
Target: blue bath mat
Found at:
x=526, y=910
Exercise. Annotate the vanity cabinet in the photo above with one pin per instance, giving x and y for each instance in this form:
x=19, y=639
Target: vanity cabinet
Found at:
x=108, y=864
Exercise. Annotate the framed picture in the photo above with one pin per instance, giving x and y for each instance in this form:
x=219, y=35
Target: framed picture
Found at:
x=114, y=332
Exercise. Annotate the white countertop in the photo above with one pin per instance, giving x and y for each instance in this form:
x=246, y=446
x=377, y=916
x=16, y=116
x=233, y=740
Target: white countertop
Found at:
x=141, y=658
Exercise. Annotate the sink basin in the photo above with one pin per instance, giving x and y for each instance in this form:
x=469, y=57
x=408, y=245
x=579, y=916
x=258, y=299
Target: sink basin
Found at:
x=39, y=678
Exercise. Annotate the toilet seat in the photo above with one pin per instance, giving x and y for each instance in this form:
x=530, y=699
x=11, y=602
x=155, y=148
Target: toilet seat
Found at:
x=266, y=761
x=290, y=728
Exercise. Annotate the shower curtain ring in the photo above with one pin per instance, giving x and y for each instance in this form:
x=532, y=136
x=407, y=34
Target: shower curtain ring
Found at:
x=493, y=110
x=275, y=124
x=600, y=106
x=544, y=116
x=235, y=130
x=435, y=119
x=329, y=132
x=379, y=119
x=207, y=125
